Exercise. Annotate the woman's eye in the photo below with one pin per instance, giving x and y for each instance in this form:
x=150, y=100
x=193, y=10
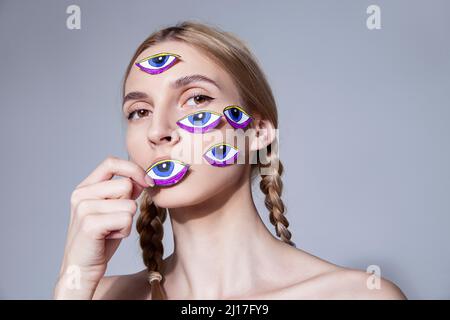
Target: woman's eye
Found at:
x=140, y=113
x=198, y=99
x=158, y=63
x=221, y=154
x=237, y=117
x=200, y=121
x=167, y=172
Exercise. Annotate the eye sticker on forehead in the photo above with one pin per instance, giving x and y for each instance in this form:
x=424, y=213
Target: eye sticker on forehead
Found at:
x=167, y=172
x=200, y=121
x=158, y=63
x=221, y=154
x=237, y=117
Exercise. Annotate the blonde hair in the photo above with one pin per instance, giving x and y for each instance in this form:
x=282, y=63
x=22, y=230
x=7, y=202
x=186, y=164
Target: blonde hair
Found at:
x=236, y=59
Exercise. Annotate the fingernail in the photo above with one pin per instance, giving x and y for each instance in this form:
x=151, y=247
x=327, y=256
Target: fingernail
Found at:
x=149, y=181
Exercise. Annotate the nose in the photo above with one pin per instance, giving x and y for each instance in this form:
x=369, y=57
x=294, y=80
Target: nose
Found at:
x=161, y=130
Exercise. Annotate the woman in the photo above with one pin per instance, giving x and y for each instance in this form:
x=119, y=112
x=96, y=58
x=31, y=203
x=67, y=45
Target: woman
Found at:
x=222, y=249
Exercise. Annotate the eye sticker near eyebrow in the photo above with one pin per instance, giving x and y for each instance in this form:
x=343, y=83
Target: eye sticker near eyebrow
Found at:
x=221, y=154
x=167, y=172
x=237, y=117
x=158, y=63
x=200, y=121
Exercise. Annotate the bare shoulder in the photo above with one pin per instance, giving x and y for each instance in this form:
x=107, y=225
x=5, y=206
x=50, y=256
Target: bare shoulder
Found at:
x=317, y=278
x=123, y=287
x=358, y=284
x=347, y=284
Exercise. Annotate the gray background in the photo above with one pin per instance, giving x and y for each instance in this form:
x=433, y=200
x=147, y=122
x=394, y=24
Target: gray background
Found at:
x=363, y=122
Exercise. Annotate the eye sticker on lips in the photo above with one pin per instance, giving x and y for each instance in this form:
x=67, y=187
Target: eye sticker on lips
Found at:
x=200, y=122
x=158, y=63
x=237, y=117
x=221, y=154
x=167, y=172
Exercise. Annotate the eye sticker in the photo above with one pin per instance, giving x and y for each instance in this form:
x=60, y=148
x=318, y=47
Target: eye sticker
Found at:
x=158, y=63
x=237, y=117
x=200, y=121
x=167, y=172
x=221, y=154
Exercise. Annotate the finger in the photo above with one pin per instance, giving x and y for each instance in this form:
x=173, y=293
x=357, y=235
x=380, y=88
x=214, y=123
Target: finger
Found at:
x=117, y=235
x=99, y=226
x=137, y=190
x=91, y=206
x=94, y=206
x=115, y=166
x=109, y=189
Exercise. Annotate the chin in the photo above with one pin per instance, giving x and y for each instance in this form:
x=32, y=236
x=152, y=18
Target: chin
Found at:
x=199, y=185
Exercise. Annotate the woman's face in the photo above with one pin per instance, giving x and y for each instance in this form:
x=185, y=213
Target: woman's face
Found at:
x=156, y=102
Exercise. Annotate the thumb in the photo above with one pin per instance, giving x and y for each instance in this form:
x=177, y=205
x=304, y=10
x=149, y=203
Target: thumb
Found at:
x=137, y=190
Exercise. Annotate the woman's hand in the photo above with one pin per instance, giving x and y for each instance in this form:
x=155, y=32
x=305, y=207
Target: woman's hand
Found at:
x=102, y=212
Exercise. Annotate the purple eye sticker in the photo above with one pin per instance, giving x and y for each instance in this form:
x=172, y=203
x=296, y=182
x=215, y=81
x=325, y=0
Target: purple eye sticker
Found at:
x=158, y=63
x=200, y=122
x=237, y=117
x=221, y=154
x=167, y=172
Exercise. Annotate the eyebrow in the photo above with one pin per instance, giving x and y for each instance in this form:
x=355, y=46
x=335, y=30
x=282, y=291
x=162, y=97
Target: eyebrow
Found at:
x=184, y=81
x=134, y=95
x=179, y=83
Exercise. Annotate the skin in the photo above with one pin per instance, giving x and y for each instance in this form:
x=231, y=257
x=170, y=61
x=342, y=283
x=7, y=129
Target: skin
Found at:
x=222, y=249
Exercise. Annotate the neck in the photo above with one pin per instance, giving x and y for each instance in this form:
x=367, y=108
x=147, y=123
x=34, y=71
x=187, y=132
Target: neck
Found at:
x=221, y=246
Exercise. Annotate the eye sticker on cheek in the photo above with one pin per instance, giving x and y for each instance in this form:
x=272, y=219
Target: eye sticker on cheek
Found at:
x=221, y=154
x=237, y=117
x=158, y=63
x=200, y=121
x=167, y=172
